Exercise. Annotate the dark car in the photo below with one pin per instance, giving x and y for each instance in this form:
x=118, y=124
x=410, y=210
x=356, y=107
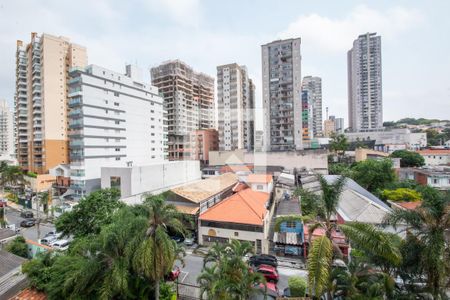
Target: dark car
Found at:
x=27, y=223
x=27, y=214
x=177, y=239
x=257, y=260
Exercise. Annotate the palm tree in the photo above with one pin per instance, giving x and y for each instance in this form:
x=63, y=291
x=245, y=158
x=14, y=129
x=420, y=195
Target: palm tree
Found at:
x=429, y=224
x=229, y=277
x=322, y=249
x=13, y=176
x=100, y=266
x=155, y=255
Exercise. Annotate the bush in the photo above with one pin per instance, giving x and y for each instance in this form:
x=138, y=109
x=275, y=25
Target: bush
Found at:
x=18, y=246
x=31, y=174
x=401, y=194
x=297, y=286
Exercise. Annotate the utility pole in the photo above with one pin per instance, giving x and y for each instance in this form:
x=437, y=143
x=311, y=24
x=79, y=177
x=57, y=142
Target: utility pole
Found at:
x=38, y=220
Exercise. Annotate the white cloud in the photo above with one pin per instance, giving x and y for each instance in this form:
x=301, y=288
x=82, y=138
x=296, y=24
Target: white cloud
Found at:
x=336, y=34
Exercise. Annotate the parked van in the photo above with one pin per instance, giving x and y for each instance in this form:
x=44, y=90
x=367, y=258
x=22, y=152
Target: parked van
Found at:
x=60, y=245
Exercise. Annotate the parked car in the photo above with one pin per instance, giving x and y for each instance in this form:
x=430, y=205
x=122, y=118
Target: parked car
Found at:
x=269, y=272
x=189, y=241
x=27, y=223
x=173, y=275
x=177, y=239
x=60, y=245
x=47, y=240
x=26, y=214
x=257, y=260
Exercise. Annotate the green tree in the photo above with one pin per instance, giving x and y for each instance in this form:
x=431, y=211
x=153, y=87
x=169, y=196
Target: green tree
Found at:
x=401, y=194
x=91, y=213
x=228, y=276
x=18, y=246
x=155, y=255
x=429, y=224
x=339, y=144
x=321, y=249
x=38, y=270
x=373, y=175
x=409, y=158
x=297, y=286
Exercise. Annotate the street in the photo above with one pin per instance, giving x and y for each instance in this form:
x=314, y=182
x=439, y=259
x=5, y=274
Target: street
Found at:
x=30, y=233
x=194, y=264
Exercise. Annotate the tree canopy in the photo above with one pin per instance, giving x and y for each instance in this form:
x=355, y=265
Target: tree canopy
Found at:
x=91, y=213
x=373, y=175
x=409, y=158
x=401, y=194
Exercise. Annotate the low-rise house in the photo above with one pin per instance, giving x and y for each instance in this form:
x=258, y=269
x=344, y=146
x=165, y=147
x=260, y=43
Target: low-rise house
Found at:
x=11, y=278
x=199, y=196
x=243, y=216
x=435, y=157
x=355, y=203
x=437, y=176
x=260, y=182
x=337, y=237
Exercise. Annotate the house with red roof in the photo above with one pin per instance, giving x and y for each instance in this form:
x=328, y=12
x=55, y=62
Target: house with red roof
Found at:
x=242, y=216
x=260, y=182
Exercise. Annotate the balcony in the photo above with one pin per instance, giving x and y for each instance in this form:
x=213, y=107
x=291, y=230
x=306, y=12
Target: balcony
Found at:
x=75, y=102
x=37, y=137
x=75, y=124
x=37, y=104
x=75, y=112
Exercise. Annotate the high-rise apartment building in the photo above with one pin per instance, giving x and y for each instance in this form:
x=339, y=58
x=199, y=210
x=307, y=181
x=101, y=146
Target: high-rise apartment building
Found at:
x=365, y=102
x=329, y=127
x=307, y=118
x=236, y=103
x=189, y=99
x=115, y=120
x=42, y=74
x=282, y=99
x=339, y=125
x=201, y=142
x=312, y=85
x=259, y=141
x=6, y=129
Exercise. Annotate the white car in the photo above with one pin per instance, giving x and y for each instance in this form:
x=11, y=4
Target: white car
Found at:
x=47, y=240
x=60, y=245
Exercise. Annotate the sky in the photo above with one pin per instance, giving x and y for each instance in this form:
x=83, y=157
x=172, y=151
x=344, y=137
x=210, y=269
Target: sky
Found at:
x=415, y=41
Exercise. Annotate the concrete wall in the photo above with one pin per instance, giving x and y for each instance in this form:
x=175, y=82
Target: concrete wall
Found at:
x=141, y=179
x=310, y=159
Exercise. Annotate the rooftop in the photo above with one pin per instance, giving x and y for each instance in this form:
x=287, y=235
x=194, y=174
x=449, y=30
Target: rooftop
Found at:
x=9, y=262
x=434, y=152
x=30, y=294
x=259, y=178
x=247, y=207
x=203, y=189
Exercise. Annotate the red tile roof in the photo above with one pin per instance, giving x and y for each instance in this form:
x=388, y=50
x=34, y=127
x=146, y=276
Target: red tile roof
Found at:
x=338, y=237
x=409, y=205
x=434, y=152
x=30, y=294
x=244, y=207
x=259, y=178
x=236, y=168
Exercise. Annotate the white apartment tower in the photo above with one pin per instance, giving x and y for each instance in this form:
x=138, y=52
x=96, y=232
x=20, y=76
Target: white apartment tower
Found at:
x=115, y=121
x=312, y=85
x=365, y=101
x=189, y=99
x=6, y=129
x=282, y=99
x=235, y=102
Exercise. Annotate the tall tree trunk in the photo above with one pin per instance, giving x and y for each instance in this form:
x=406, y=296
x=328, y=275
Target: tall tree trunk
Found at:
x=157, y=290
